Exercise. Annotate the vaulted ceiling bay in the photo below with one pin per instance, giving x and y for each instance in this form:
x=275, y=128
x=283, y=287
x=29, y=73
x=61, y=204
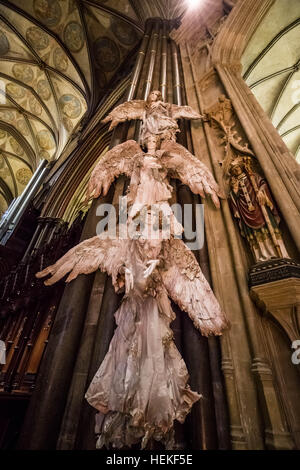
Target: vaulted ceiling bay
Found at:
x=271, y=68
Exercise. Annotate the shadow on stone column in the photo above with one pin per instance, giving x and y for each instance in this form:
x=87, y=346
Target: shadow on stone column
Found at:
x=104, y=333
x=46, y=408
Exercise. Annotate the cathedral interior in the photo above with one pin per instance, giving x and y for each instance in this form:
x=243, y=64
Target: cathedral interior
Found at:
x=65, y=65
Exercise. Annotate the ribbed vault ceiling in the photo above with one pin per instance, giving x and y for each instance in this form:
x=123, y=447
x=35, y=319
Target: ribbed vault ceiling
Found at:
x=271, y=65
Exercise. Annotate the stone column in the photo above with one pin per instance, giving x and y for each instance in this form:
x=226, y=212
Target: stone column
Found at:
x=201, y=426
x=77, y=428
x=254, y=403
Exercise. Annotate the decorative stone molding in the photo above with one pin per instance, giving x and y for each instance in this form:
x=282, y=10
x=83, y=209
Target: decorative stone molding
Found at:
x=210, y=79
x=238, y=29
x=277, y=435
x=281, y=300
x=273, y=270
x=235, y=68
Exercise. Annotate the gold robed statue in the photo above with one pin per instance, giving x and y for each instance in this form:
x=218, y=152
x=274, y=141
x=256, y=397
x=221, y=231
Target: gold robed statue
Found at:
x=253, y=206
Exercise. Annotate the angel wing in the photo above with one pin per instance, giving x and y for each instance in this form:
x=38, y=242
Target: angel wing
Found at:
x=116, y=161
x=188, y=288
x=94, y=253
x=186, y=112
x=190, y=170
x=133, y=109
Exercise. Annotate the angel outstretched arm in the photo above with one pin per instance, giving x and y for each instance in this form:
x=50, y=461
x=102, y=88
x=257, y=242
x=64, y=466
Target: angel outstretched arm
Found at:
x=190, y=170
x=127, y=111
x=185, y=112
x=94, y=253
x=116, y=161
x=188, y=288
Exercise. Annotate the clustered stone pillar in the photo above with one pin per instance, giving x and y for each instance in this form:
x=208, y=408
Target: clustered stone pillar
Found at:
x=255, y=391
x=207, y=425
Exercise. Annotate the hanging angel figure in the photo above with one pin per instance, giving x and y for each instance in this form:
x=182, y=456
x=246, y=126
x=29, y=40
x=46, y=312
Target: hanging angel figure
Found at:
x=159, y=119
x=141, y=386
x=165, y=158
x=149, y=174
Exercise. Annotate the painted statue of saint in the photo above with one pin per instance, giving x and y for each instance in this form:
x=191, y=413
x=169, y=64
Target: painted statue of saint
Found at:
x=252, y=204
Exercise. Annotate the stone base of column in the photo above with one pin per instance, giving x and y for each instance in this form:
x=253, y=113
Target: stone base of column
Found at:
x=278, y=441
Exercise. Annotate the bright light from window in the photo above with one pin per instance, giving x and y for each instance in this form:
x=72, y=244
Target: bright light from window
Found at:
x=192, y=4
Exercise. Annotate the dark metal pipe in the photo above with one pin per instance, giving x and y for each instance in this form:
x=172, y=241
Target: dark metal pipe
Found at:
x=218, y=386
x=163, y=63
x=151, y=52
x=200, y=425
x=139, y=63
x=176, y=75
x=151, y=66
x=47, y=223
x=34, y=240
x=77, y=428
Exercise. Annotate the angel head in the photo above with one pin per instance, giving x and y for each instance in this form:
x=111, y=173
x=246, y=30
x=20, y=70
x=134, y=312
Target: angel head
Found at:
x=154, y=95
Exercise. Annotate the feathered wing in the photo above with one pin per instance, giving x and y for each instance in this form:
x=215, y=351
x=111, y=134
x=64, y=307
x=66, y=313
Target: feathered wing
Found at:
x=116, y=161
x=188, y=288
x=94, y=253
x=190, y=170
x=133, y=109
x=186, y=112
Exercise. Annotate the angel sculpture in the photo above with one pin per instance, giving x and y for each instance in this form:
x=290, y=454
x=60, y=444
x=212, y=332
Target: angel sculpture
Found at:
x=169, y=159
x=149, y=173
x=141, y=386
x=159, y=119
